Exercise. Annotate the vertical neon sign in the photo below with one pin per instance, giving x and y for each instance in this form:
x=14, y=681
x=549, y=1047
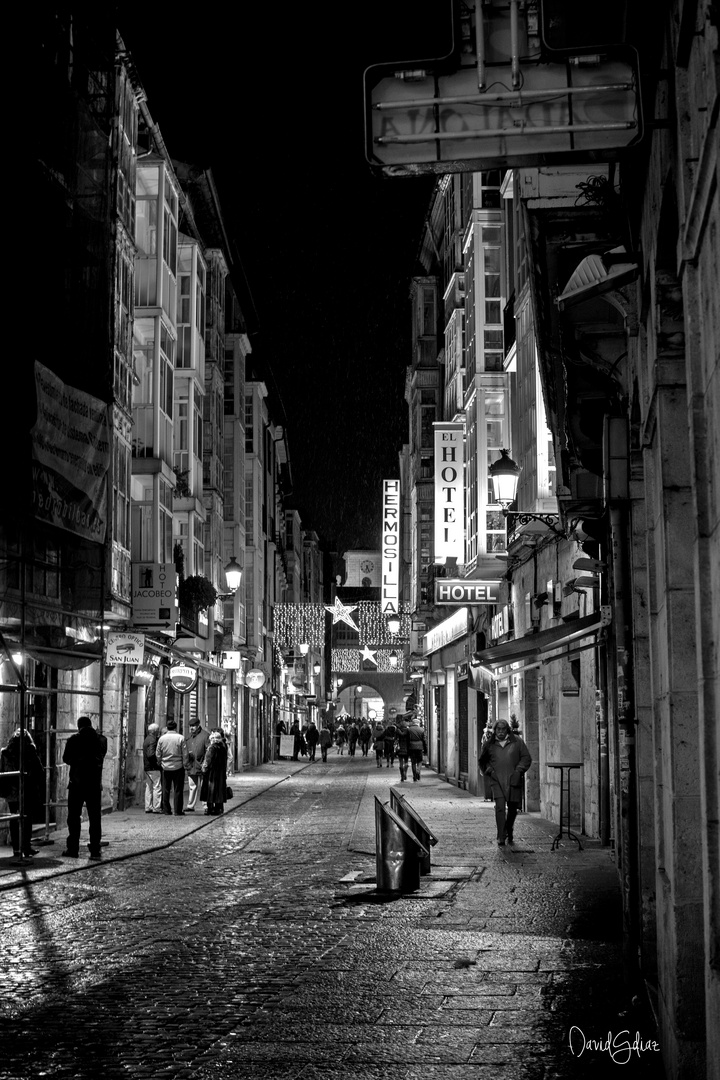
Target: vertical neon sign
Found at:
x=390, y=599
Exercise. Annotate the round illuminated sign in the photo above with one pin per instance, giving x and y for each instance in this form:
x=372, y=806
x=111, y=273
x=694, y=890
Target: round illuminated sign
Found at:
x=255, y=678
x=183, y=678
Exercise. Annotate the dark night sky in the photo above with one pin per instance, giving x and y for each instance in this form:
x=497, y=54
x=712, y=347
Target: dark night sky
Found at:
x=270, y=98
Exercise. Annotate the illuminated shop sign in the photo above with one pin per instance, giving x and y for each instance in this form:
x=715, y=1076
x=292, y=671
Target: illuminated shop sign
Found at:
x=391, y=547
x=448, y=591
x=447, y=631
x=183, y=678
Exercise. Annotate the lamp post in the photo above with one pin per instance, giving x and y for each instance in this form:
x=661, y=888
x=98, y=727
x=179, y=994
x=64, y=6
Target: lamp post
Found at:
x=505, y=474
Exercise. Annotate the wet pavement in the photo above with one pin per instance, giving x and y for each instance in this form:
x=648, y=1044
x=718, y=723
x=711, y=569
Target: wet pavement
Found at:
x=256, y=945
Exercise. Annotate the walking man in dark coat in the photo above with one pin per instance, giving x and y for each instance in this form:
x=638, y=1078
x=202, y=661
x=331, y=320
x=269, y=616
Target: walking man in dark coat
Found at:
x=312, y=739
x=84, y=753
x=505, y=759
x=417, y=745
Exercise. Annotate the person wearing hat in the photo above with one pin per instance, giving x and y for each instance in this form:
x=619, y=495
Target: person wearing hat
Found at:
x=197, y=744
x=505, y=759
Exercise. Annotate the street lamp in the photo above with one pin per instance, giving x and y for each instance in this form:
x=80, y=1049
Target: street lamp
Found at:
x=393, y=658
x=233, y=575
x=393, y=624
x=505, y=474
x=304, y=648
x=317, y=667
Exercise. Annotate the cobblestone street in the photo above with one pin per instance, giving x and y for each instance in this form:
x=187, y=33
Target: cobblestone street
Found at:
x=256, y=946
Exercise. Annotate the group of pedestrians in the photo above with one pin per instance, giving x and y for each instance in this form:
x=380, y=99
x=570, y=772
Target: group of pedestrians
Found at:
x=405, y=740
x=352, y=736
x=169, y=757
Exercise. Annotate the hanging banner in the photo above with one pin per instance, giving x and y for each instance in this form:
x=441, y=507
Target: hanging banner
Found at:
x=390, y=548
x=71, y=457
x=449, y=492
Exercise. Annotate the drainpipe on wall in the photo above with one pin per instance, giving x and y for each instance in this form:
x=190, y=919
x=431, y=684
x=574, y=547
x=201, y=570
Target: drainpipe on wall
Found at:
x=627, y=848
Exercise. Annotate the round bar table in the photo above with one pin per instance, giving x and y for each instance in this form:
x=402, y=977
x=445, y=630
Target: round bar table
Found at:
x=565, y=767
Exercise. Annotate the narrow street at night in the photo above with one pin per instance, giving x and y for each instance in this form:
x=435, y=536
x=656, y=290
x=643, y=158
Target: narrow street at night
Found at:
x=256, y=945
x=362, y=509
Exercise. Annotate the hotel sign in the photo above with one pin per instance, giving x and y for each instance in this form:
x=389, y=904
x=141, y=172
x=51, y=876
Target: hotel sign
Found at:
x=449, y=492
x=450, y=591
x=390, y=558
x=154, y=589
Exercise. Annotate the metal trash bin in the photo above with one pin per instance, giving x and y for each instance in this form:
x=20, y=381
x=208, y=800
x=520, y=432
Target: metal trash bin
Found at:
x=397, y=852
x=415, y=824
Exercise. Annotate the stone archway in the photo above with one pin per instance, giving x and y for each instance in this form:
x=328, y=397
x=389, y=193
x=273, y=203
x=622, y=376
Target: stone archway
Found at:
x=388, y=687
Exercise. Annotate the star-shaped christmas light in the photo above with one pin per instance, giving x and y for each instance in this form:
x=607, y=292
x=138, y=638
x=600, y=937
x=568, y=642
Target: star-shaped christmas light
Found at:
x=367, y=654
x=341, y=613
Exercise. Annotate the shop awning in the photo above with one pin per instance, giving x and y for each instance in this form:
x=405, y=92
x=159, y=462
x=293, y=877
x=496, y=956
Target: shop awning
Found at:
x=211, y=673
x=541, y=646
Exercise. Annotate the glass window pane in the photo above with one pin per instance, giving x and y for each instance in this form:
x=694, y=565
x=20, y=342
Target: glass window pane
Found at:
x=492, y=285
x=492, y=311
x=492, y=260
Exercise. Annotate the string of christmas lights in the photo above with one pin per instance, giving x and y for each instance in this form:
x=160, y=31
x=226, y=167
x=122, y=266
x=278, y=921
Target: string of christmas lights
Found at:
x=294, y=624
x=352, y=660
x=297, y=623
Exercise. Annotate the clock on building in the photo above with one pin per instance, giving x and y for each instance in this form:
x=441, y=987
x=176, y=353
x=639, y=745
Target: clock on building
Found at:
x=367, y=565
